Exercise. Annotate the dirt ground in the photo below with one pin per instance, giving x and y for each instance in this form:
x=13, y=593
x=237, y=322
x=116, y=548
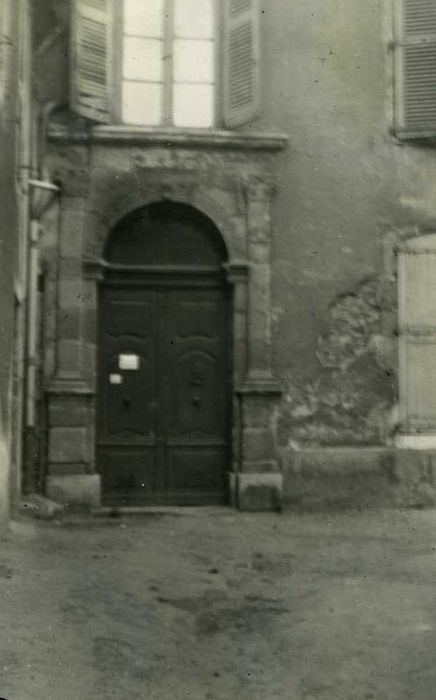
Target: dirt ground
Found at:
x=217, y=605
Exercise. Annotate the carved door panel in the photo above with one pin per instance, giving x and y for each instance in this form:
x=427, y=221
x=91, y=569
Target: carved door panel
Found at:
x=196, y=396
x=164, y=395
x=127, y=435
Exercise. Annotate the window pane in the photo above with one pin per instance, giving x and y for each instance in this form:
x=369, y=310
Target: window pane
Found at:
x=142, y=59
x=193, y=105
x=194, y=19
x=142, y=103
x=193, y=61
x=143, y=17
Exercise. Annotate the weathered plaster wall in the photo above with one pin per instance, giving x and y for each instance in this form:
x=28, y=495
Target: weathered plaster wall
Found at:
x=344, y=185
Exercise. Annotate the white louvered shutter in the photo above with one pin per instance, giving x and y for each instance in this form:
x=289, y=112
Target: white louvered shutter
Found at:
x=91, y=33
x=241, y=89
x=415, y=75
x=417, y=327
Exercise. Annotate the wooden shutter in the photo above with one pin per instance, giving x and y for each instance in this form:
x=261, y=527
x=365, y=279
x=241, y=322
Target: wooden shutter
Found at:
x=91, y=58
x=417, y=327
x=241, y=61
x=415, y=74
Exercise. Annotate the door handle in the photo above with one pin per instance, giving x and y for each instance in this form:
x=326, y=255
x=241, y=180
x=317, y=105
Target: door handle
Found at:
x=127, y=402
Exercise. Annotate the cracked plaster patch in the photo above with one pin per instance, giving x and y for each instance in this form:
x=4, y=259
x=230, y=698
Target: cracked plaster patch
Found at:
x=350, y=400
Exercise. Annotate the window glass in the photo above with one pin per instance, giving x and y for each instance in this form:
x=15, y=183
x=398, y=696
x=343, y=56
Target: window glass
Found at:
x=143, y=17
x=142, y=59
x=186, y=40
x=194, y=19
x=142, y=103
x=193, y=61
x=193, y=105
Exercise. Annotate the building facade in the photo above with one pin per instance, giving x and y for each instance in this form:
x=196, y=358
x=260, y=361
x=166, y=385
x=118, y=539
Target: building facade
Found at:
x=14, y=202
x=236, y=274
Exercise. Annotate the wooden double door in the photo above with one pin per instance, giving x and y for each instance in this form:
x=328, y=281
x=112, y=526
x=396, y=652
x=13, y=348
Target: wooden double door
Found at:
x=164, y=393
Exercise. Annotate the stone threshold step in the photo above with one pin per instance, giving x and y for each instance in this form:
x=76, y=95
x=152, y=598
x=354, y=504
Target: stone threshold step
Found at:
x=191, y=511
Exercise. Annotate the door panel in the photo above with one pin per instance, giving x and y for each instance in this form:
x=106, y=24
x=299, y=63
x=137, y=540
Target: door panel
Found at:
x=128, y=331
x=163, y=423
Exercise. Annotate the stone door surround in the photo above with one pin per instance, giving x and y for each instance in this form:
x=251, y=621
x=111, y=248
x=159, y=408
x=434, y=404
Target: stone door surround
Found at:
x=106, y=174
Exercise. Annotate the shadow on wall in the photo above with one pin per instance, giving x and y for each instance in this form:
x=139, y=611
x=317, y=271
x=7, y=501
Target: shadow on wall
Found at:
x=352, y=398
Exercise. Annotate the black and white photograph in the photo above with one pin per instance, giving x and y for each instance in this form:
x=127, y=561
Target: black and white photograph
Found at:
x=217, y=349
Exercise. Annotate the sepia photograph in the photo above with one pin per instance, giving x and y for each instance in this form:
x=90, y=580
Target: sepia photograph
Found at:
x=218, y=349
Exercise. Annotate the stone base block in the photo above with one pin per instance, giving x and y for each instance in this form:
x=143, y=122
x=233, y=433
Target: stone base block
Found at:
x=360, y=477
x=416, y=473
x=74, y=489
x=257, y=492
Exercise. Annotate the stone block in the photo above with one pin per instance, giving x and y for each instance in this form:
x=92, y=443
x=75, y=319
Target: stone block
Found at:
x=67, y=411
x=258, y=445
x=70, y=165
x=68, y=445
x=69, y=323
x=67, y=468
x=77, y=490
x=69, y=357
x=339, y=478
x=73, y=225
x=71, y=294
x=260, y=492
x=257, y=411
x=416, y=474
x=70, y=268
x=40, y=507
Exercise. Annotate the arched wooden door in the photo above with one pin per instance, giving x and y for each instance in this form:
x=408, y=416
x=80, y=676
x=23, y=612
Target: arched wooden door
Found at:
x=163, y=428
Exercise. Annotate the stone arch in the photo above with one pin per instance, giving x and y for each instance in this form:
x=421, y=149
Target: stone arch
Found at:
x=104, y=211
x=133, y=239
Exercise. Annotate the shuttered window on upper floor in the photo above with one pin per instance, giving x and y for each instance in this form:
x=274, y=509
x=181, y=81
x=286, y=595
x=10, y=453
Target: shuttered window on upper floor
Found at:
x=181, y=63
x=415, y=68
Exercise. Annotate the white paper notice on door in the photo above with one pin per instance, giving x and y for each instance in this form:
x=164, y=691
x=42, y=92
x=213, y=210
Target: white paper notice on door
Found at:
x=115, y=379
x=128, y=361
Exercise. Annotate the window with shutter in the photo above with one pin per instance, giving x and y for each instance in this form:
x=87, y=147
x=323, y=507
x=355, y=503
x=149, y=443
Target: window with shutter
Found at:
x=241, y=61
x=91, y=58
x=415, y=74
x=417, y=326
x=159, y=63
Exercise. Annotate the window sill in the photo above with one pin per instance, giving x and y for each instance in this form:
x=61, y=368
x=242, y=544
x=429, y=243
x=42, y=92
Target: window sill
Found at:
x=416, y=138
x=154, y=136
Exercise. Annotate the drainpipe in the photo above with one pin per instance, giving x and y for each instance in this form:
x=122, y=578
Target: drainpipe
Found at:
x=47, y=191
x=32, y=333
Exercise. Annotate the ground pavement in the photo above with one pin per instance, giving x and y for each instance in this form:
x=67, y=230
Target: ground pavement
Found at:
x=218, y=605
